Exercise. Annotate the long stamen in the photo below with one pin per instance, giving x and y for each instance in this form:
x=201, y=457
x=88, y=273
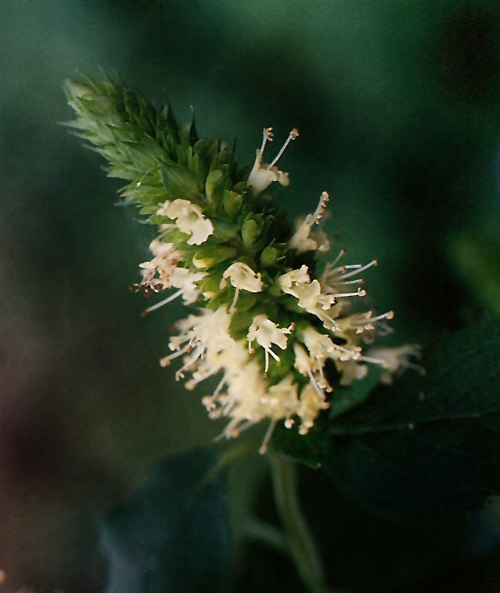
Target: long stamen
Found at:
x=356, y=281
x=293, y=134
x=342, y=252
x=198, y=377
x=229, y=404
x=267, y=437
x=388, y=315
x=358, y=270
x=230, y=431
x=171, y=298
x=317, y=388
x=416, y=367
x=192, y=359
x=354, y=354
x=219, y=388
x=374, y=360
x=266, y=135
x=165, y=361
x=360, y=292
x=320, y=208
x=235, y=299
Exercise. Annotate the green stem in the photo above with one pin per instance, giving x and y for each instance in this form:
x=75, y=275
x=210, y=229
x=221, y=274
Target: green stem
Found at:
x=302, y=546
x=268, y=534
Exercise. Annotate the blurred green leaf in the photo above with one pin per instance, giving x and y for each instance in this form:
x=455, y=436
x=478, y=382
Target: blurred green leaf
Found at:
x=173, y=536
x=477, y=259
x=424, y=451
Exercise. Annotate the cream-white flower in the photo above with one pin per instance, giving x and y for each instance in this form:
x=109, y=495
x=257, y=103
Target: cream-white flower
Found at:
x=334, y=280
x=242, y=277
x=186, y=281
x=189, y=219
x=320, y=346
x=280, y=403
x=261, y=176
x=362, y=322
x=281, y=400
x=309, y=295
x=310, y=404
x=164, y=262
x=267, y=333
x=294, y=277
x=309, y=367
x=396, y=359
x=199, y=333
x=351, y=370
x=242, y=395
x=303, y=239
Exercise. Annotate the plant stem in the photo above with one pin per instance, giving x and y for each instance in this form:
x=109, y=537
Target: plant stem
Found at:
x=302, y=546
x=268, y=534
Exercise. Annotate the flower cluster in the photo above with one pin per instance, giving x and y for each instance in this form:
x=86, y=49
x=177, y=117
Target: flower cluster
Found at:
x=279, y=330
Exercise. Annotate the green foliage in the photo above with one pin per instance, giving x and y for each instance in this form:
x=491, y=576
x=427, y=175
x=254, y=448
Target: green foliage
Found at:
x=173, y=535
x=478, y=261
x=424, y=450
x=145, y=145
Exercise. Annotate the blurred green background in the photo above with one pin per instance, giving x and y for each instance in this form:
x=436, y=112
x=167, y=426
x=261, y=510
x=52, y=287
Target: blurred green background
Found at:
x=398, y=104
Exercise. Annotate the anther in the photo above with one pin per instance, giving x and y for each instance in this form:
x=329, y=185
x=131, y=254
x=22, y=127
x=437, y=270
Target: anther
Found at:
x=165, y=361
x=342, y=253
x=293, y=134
x=267, y=135
x=267, y=437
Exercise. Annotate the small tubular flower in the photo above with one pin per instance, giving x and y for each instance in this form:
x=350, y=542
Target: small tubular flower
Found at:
x=261, y=176
x=189, y=219
x=302, y=239
x=266, y=333
x=164, y=263
x=242, y=277
x=396, y=360
x=311, y=403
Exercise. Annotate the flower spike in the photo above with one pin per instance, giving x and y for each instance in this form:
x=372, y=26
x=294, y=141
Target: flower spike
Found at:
x=231, y=255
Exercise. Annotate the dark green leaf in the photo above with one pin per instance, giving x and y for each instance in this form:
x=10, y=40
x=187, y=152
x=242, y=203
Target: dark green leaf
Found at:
x=173, y=536
x=425, y=450
x=310, y=449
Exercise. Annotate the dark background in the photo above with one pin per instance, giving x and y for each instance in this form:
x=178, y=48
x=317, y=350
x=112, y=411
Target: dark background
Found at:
x=398, y=105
